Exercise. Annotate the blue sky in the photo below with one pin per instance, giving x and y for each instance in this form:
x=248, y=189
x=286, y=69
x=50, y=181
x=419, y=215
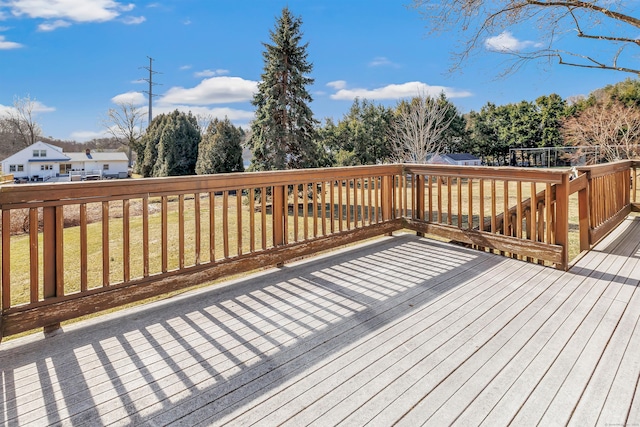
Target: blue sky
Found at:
x=78, y=57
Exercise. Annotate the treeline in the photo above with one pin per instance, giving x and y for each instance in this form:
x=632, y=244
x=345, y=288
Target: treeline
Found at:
x=608, y=118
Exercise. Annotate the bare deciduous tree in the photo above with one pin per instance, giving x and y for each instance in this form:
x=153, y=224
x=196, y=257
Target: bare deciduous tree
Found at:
x=203, y=122
x=613, y=128
x=418, y=128
x=124, y=123
x=20, y=121
x=607, y=24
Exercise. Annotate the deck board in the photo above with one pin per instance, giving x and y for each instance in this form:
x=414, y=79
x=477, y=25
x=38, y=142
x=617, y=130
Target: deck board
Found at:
x=404, y=330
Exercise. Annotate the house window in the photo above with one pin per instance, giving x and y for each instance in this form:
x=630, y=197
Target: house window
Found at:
x=46, y=167
x=39, y=153
x=105, y=167
x=16, y=168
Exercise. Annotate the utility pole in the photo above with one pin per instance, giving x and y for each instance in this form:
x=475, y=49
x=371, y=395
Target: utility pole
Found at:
x=151, y=85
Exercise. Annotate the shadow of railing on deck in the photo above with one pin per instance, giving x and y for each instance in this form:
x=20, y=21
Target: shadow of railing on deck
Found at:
x=217, y=349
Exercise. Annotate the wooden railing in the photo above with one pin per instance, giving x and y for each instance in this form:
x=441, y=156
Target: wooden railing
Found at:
x=490, y=208
x=157, y=235
x=82, y=247
x=612, y=194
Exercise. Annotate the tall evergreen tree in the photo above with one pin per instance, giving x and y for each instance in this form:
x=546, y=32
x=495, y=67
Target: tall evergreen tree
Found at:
x=553, y=110
x=283, y=132
x=221, y=149
x=171, y=145
x=147, y=149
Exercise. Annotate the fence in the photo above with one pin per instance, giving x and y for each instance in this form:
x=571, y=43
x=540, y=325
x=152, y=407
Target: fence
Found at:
x=91, y=246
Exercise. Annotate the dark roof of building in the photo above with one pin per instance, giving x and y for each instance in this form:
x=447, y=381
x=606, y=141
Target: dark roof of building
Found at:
x=462, y=156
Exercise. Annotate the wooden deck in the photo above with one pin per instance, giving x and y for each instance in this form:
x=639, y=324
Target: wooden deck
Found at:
x=403, y=331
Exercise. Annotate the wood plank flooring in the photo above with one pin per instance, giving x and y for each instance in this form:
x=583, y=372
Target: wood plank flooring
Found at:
x=403, y=331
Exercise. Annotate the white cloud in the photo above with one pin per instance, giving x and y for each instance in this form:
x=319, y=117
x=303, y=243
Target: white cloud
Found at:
x=6, y=45
x=73, y=10
x=396, y=91
x=136, y=98
x=133, y=20
x=215, y=90
x=5, y=28
x=86, y=135
x=338, y=84
x=185, y=67
x=38, y=107
x=210, y=73
x=381, y=61
x=138, y=81
x=50, y=26
x=506, y=42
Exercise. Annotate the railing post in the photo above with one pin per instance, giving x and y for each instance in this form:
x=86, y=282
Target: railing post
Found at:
x=5, y=294
x=583, y=215
x=562, y=219
x=418, y=189
x=634, y=182
x=278, y=200
x=50, y=262
x=387, y=197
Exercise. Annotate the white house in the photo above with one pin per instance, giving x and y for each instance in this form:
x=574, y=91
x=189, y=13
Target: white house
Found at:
x=462, y=159
x=42, y=161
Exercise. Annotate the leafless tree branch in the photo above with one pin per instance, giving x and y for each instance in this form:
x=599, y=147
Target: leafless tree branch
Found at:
x=477, y=20
x=418, y=128
x=125, y=124
x=20, y=120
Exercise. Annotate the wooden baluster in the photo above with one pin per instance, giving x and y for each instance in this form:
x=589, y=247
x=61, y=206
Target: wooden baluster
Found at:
x=126, y=245
x=145, y=235
x=252, y=219
x=105, y=244
x=6, y=259
x=181, y=231
x=225, y=223
x=239, y=224
x=212, y=226
x=296, y=207
x=33, y=256
x=263, y=202
x=278, y=201
x=198, y=231
x=323, y=212
x=165, y=234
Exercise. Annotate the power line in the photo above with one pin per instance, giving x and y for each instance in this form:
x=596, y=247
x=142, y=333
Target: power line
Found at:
x=149, y=92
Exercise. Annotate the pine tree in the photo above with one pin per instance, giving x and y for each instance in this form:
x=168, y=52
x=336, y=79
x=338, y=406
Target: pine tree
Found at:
x=171, y=145
x=283, y=132
x=221, y=149
x=147, y=149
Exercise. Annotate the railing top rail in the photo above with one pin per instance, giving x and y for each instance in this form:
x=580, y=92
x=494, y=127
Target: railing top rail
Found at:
x=595, y=171
x=77, y=191
x=550, y=176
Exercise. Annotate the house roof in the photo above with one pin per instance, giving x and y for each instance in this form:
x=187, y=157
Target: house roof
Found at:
x=41, y=160
x=461, y=156
x=98, y=157
x=55, y=154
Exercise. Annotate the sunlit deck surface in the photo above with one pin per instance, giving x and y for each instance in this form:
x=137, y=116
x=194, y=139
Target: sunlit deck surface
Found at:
x=404, y=330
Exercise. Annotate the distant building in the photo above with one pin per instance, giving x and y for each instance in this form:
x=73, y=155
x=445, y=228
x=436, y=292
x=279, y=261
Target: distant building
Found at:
x=462, y=159
x=42, y=161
